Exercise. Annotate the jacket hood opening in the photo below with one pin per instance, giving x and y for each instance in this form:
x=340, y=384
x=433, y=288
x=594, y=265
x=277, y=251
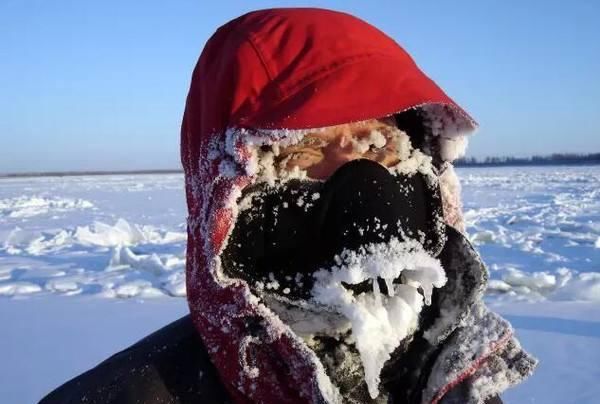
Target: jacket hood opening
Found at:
x=246, y=158
x=251, y=153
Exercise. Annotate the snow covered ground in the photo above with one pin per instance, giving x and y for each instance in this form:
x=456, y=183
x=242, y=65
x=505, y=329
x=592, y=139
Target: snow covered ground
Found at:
x=88, y=265
x=538, y=229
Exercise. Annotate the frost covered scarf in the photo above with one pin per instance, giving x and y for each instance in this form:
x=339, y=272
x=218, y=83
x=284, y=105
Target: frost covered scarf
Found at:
x=352, y=253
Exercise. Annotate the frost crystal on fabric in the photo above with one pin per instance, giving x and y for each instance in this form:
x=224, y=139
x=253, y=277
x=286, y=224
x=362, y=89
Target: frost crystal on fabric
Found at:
x=377, y=323
x=452, y=203
x=375, y=138
x=484, y=350
x=502, y=369
x=477, y=343
x=445, y=121
x=467, y=279
x=380, y=322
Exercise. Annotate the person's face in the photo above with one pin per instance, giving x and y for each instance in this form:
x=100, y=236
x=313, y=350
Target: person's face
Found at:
x=321, y=153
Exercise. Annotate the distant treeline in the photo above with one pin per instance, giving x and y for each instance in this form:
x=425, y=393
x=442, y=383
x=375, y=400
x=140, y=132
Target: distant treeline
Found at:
x=75, y=173
x=553, y=159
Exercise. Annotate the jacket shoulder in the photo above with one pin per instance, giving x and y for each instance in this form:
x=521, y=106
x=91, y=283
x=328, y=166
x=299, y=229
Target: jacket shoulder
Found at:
x=169, y=366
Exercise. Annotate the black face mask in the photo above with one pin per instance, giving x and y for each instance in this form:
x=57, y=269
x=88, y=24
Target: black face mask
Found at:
x=294, y=228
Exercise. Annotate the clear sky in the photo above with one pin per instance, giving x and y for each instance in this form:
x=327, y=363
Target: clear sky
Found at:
x=101, y=84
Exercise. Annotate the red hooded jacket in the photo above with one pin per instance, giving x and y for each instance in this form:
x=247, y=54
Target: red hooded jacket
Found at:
x=276, y=69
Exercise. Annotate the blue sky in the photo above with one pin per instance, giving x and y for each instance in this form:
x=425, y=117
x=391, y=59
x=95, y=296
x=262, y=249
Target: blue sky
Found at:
x=101, y=84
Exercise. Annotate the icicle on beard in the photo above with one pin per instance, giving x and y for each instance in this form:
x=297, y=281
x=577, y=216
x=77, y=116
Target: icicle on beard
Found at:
x=380, y=321
x=371, y=293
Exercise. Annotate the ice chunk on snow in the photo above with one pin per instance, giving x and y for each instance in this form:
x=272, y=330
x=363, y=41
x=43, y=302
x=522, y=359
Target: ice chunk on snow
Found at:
x=19, y=288
x=585, y=287
x=62, y=286
x=379, y=322
x=174, y=284
x=101, y=234
x=123, y=256
x=97, y=235
x=35, y=242
x=498, y=285
x=535, y=281
x=485, y=236
x=139, y=288
x=28, y=206
x=563, y=284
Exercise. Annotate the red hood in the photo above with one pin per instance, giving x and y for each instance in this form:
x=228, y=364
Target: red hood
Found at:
x=275, y=69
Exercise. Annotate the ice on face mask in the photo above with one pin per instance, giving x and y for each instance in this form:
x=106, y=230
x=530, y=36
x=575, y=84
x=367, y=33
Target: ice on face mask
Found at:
x=380, y=321
x=355, y=261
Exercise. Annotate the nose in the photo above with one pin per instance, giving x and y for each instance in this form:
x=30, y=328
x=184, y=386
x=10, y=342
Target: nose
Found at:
x=363, y=202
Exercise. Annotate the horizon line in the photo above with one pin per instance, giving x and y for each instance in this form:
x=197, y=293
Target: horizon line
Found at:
x=74, y=173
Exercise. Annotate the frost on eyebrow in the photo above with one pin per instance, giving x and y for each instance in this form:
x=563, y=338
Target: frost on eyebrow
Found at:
x=374, y=138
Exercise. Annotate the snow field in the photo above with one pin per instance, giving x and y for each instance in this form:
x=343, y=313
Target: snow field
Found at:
x=125, y=266
x=88, y=265
x=538, y=231
x=537, y=228
x=69, y=245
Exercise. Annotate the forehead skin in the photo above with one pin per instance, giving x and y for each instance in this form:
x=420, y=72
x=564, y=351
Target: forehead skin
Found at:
x=352, y=129
x=321, y=152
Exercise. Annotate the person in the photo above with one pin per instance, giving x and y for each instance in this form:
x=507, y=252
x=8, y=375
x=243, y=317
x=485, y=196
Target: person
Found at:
x=326, y=260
